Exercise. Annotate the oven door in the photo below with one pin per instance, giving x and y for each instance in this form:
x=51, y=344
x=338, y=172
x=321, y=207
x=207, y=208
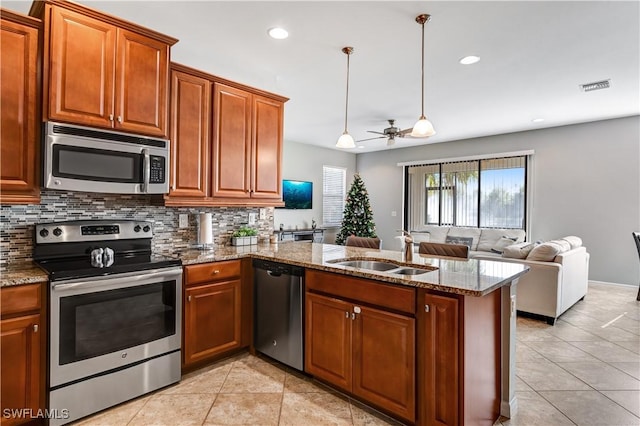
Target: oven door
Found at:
x=104, y=323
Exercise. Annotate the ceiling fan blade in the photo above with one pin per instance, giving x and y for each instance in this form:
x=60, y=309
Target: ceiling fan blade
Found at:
x=377, y=133
x=379, y=137
x=405, y=132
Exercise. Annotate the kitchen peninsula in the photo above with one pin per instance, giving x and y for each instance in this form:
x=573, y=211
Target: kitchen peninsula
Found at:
x=446, y=336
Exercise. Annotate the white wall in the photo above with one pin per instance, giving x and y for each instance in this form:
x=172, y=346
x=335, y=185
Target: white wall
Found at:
x=304, y=162
x=585, y=182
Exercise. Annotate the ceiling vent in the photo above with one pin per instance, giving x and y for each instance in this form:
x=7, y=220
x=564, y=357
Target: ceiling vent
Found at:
x=596, y=85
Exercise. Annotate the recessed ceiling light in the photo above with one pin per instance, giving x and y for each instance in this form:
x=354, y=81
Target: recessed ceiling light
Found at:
x=468, y=60
x=360, y=146
x=278, y=33
x=537, y=120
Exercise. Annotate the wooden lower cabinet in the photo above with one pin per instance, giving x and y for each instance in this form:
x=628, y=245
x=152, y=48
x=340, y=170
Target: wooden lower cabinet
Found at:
x=22, y=347
x=459, y=358
x=364, y=350
x=216, y=316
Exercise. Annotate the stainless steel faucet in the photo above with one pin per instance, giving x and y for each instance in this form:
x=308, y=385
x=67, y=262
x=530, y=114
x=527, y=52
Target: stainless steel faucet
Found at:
x=408, y=246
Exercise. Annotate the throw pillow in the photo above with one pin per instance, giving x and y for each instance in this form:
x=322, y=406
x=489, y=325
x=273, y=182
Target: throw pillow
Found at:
x=574, y=241
x=544, y=252
x=563, y=244
x=503, y=242
x=467, y=241
x=518, y=251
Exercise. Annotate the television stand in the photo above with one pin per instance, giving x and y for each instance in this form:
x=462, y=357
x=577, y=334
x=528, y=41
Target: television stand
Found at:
x=311, y=235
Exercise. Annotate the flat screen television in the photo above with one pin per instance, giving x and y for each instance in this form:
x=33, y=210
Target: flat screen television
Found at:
x=297, y=194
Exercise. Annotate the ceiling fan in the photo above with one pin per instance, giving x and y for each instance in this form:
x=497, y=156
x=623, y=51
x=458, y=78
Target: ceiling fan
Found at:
x=390, y=133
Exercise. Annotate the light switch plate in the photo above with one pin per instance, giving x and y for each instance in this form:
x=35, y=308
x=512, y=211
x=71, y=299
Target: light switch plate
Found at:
x=263, y=214
x=183, y=221
x=252, y=218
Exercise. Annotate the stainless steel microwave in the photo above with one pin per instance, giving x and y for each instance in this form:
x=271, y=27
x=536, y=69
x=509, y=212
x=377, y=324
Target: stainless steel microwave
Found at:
x=80, y=158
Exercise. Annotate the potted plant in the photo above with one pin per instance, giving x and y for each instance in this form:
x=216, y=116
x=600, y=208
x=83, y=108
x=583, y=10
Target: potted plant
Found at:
x=244, y=236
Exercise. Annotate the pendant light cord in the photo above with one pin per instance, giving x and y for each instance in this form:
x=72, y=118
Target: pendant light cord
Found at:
x=348, y=51
x=422, y=115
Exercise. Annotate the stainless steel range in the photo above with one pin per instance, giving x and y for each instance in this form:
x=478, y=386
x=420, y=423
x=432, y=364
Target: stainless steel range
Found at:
x=115, y=314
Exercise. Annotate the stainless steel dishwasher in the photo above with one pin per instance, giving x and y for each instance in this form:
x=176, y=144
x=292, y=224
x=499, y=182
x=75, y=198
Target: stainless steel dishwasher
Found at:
x=279, y=310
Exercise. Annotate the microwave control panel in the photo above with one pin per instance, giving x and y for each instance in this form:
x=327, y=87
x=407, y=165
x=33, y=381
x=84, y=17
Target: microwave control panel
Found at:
x=157, y=169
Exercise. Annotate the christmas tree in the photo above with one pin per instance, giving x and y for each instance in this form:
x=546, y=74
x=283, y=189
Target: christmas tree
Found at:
x=357, y=218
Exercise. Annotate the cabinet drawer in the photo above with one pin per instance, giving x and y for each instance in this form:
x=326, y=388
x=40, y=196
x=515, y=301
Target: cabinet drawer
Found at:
x=362, y=290
x=212, y=271
x=23, y=298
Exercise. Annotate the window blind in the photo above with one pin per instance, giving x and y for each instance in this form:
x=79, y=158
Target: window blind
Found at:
x=333, y=194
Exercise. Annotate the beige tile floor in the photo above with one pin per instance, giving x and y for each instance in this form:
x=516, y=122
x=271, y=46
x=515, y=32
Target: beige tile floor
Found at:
x=585, y=370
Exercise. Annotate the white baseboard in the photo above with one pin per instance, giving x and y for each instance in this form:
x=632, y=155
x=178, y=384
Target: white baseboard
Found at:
x=615, y=284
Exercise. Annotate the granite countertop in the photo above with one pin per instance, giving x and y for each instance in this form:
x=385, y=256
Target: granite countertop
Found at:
x=470, y=277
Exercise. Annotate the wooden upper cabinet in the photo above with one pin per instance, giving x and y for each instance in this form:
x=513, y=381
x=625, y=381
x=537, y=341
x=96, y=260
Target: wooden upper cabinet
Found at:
x=19, y=126
x=102, y=74
x=190, y=130
x=267, y=147
x=231, y=142
x=141, y=84
x=247, y=144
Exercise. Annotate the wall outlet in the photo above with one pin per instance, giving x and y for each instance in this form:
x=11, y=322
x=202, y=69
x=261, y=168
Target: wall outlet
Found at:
x=263, y=214
x=252, y=219
x=394, y=213
x=183, y=221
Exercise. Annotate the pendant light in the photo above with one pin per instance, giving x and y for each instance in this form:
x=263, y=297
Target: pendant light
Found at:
x=346, y=141
x=423, y=127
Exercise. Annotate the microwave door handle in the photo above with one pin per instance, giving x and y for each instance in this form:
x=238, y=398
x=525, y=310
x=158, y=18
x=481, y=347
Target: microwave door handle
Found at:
x=146, y=171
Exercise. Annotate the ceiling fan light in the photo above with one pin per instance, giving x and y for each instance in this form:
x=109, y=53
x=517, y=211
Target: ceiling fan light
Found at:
x=423, y=128
x=345, y=141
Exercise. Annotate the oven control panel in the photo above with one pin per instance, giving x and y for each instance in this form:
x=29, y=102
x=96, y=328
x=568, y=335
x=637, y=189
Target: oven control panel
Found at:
x=89, y=230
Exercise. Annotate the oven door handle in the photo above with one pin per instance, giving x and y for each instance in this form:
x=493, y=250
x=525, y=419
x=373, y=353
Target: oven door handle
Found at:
x=128, y=279
x=146, y=171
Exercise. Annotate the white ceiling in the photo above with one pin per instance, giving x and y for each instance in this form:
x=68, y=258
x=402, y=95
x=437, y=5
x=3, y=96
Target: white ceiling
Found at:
x=534, y=54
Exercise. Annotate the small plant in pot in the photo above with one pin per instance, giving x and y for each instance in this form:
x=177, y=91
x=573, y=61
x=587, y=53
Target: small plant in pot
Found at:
x=244, y=236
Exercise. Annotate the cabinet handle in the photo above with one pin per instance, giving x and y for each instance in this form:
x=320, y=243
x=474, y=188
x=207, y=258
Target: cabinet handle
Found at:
x=346, y=314
x=353, y=316
x=110, y=117
x=35, y=328
x=216, y=272
x=426, y=308
x=188, y=298
x=119, y=119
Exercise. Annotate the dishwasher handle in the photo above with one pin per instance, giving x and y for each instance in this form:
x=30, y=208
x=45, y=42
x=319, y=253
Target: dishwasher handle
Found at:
x=274, y=273
x=276, y=269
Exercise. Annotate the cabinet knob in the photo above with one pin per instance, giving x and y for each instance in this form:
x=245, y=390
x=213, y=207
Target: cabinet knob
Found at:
x=426, y=308
x=110, y=117
x=216, y=272
x=119, y=119
x=35, y=328
x=346, y=314
x=353, y=316
x=188, y=298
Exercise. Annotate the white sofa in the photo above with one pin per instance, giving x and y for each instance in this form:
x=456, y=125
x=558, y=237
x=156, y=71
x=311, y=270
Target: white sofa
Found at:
x=548, y=289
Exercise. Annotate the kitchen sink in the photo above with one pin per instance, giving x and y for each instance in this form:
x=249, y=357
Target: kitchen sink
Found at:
x=368, y=264
x=409, y=271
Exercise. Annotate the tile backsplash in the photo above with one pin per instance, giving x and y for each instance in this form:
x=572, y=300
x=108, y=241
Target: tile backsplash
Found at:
x=17, y=222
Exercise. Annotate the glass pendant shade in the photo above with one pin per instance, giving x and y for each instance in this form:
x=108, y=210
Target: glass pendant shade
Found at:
x=345, y=141
x=423, y=128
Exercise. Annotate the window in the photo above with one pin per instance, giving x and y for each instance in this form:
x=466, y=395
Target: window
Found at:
x=333, y=194
x=490, y=193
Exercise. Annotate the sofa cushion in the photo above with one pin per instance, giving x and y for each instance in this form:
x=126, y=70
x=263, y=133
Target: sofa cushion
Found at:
x=503, y=242
x=518, y=251
x=437, y=234
x=574, y=241
x=565, y=245
x=489, y=237
x=420, y=237
x=545, y=252
x=473, y=233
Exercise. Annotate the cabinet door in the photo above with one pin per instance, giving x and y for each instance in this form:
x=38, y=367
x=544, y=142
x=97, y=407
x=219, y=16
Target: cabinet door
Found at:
x=18, y=125
x=441, y=371
x=385, y=339
x=20, y=364
x=267, y=148
x=231, y=168
x=212, y=320
x=328, y=340
x=81, y=69
x=190, y=129
x=141, y=84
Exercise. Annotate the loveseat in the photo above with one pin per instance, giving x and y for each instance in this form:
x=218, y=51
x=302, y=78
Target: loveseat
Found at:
x=558, y=269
